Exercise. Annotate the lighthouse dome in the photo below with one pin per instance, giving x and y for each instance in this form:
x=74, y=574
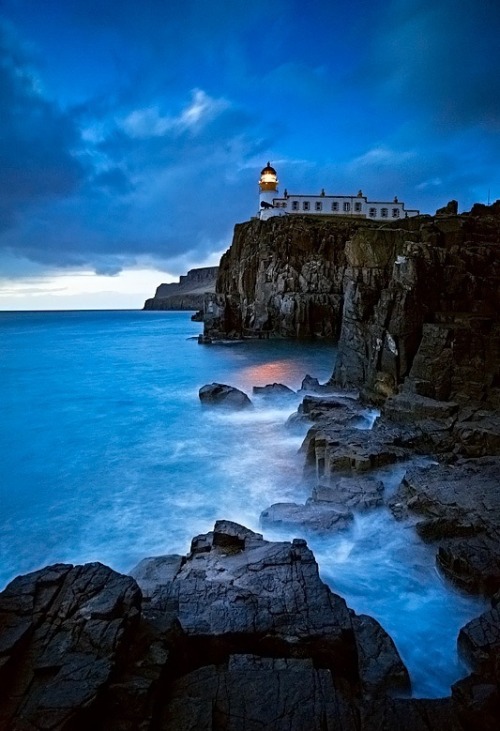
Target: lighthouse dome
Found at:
x=268, y=170
x=268, y=178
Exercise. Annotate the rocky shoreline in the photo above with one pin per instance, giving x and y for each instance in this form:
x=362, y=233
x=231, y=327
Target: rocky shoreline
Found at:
x=241, y=633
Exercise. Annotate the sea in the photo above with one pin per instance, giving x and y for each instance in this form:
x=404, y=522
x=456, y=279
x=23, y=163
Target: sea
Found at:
x=107, y=455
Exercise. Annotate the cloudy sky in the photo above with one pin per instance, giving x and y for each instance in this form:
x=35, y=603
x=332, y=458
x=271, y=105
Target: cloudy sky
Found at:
x=132, y=133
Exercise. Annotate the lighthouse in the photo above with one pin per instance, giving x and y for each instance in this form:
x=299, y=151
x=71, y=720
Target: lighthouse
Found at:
x=268, y=190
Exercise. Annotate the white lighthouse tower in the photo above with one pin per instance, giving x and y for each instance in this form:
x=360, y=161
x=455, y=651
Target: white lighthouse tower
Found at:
x=268, y=191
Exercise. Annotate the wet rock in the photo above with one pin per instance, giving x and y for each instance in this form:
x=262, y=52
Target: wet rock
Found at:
x=273, y=390
x=311, y=518
x=472, y=563
x=331, y=449
x=312, y=385
x=219, y=394
x=461, y=507
x=151, y=573
x=357, y=492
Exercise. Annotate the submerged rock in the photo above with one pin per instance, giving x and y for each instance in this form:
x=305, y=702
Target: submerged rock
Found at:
x=311, y=518
x=219, y=394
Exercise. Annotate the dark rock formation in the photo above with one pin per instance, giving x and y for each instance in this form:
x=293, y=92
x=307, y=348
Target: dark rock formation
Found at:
x=273, y=390
x=239, y=634
x=187, y=294
x=414, y=303
x=460, y=508
x=219, y=394
x=63, y=632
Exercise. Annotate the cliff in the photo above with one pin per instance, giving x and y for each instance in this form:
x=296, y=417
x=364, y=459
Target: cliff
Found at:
x=411, y=302
x=186, y=294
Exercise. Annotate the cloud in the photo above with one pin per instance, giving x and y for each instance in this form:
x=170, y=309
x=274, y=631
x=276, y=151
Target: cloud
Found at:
x=143, y=123
x=36, y=141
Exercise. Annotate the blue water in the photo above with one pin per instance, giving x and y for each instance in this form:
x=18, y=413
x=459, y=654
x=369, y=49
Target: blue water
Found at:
x=106, y=454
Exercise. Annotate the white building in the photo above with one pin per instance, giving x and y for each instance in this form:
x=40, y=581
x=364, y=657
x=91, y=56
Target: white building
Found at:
x=271, y=204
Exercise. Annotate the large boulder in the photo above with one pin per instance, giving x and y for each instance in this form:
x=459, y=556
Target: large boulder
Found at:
x=219, y=394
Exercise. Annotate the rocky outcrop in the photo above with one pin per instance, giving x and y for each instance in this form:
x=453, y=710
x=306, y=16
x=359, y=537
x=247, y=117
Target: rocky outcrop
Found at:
x=187, y=294
x=429, y=324
x=459, y=508
x=414, y=303
x=239, y=634
x=221, y=395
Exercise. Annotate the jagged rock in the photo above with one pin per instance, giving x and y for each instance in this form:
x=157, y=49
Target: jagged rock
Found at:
x=62, y=630
x=310, y=518
x=351, y=492
x=332, y=449
x=240, y=634
x=219, y=394
x=273, y=389
x=312, y=385
x=472, y=563
x=461, y=503
x=479, y=643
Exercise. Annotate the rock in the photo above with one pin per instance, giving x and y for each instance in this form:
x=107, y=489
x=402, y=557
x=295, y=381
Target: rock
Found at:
x=479, y=643
x=151, y=573
x=450, y=209
x=218, y=394
x=357, y=492
x=472, y=563
x=278, y=694
x=461, y=507
x=240, y=634
x=331, y=450
x=310, y=518
x=312, y=385
x=273, y=390
x=62, y=631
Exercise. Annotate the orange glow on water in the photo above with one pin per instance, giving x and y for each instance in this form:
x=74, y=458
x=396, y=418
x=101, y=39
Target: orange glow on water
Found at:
x=277, y=371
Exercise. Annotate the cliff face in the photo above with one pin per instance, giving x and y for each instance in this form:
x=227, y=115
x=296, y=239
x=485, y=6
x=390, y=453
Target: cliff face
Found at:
x=186, y=294
x=430, y=321
x=283, y=276
x=414, y=301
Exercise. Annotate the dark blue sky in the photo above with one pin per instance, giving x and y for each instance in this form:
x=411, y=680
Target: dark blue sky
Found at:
x=132, y=133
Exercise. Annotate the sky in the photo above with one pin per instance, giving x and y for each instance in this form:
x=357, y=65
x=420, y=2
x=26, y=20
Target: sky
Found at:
x=132, y=134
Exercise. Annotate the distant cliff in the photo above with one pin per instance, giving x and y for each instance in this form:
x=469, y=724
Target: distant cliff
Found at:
x=414, y=300
x=187, y=294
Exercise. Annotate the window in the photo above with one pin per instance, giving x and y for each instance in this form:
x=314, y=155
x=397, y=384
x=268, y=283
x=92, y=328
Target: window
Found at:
x=357, y=207
x=395, y=212
x=335, y=206
x=295, y=205
x=305, y=205
x=283, y=205
x=347, y=207
x=319, y=205
x=384, y=212
x=372, y=212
